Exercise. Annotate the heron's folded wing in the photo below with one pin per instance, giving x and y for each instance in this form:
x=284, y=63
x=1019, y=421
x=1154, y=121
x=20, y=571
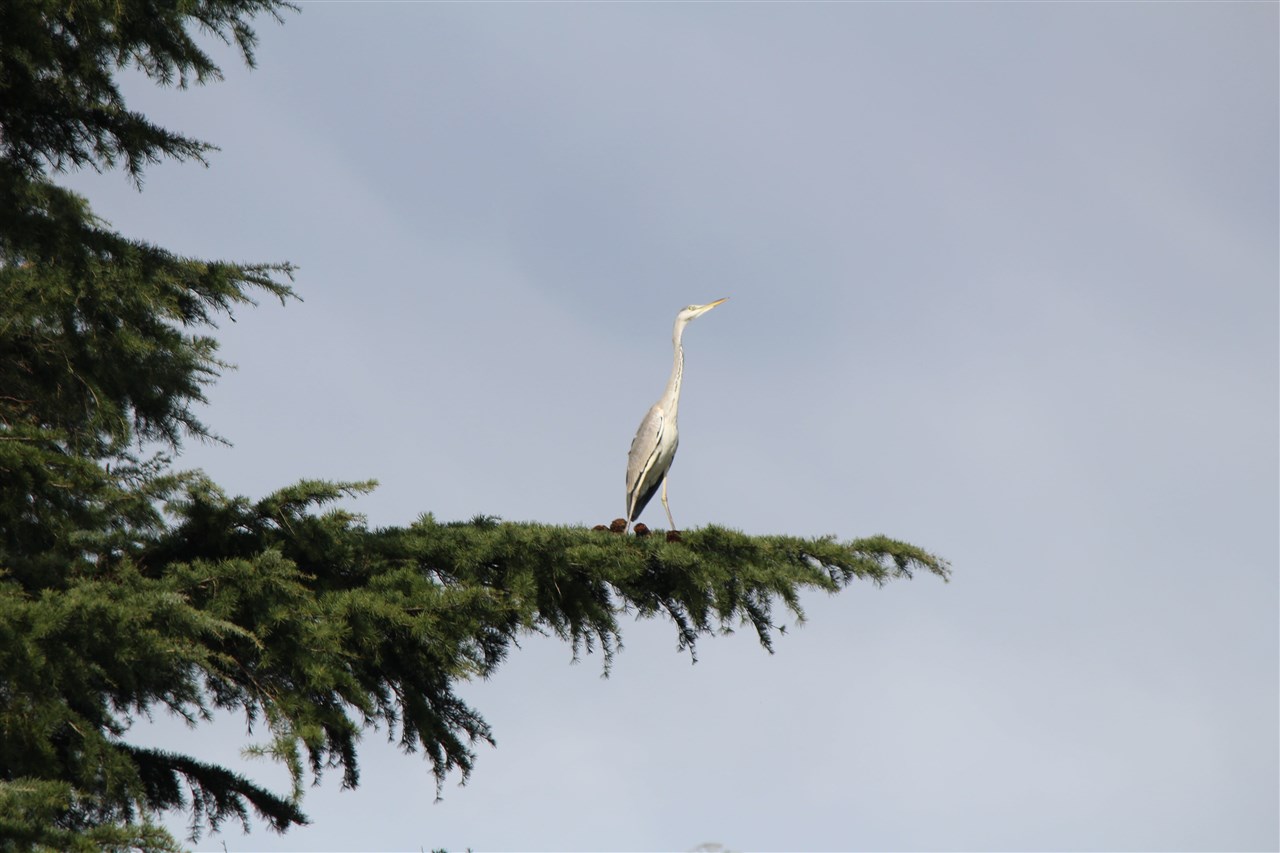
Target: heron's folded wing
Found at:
x=644, y=448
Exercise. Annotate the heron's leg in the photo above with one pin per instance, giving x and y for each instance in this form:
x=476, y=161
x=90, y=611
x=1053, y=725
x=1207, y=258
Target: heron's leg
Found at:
x=665, y=505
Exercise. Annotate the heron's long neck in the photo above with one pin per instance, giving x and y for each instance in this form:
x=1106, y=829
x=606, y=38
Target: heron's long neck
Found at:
x=672, y=397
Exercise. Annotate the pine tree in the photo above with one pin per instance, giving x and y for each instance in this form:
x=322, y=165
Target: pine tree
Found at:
x=127, y=586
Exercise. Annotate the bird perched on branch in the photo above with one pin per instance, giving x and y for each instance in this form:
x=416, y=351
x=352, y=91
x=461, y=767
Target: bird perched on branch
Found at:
x=654, y=446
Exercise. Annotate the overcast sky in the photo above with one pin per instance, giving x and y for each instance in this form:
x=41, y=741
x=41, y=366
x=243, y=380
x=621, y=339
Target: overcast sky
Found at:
x=1003, y=284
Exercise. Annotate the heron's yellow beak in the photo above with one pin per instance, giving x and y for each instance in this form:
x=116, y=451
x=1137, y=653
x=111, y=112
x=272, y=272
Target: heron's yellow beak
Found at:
x=711, y=305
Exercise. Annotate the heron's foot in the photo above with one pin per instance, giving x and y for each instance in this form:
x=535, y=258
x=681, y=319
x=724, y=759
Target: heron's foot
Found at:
x=642, y=529
x=673, y=536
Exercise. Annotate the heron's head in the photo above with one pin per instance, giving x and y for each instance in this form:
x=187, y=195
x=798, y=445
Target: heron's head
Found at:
x=693, y=312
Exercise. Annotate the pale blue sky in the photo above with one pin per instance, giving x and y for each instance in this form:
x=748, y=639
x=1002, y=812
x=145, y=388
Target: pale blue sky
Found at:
x=1003, y=283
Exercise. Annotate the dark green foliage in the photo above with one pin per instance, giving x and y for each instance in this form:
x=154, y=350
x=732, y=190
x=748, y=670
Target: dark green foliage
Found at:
x=128, y=589
x=33, y=816
x=319, y=626
x=60, y=103
x=580, y=580
x=97, y=352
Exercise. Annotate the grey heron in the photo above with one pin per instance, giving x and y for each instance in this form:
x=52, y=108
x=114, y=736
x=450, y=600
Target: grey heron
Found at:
x=654, y=446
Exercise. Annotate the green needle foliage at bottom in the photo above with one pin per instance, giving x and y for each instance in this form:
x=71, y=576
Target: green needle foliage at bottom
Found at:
x=317, y=627
x=575, y=582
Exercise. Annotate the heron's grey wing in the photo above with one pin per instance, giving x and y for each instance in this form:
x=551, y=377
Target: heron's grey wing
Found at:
x=641, y=482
